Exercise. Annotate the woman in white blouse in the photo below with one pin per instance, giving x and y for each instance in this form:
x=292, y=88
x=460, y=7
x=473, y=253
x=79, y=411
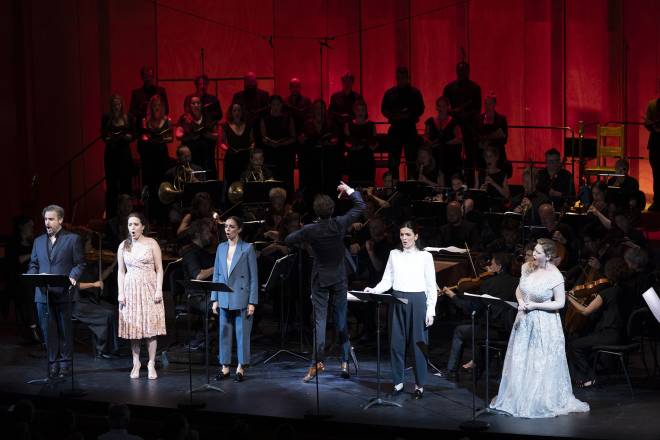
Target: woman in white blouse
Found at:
x=410, y=273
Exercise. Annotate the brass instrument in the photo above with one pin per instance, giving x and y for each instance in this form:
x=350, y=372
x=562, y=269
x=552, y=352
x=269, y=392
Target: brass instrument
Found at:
x=236, y=192
x=169, y=193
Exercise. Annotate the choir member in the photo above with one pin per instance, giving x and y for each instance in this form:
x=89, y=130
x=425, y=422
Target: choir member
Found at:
x=492, y=129
x=141, y=97
x=298, y=106
x=200, y=134
x=210, y=103
x=465, y=99
x=342, y=102
x=278, y=138
x=252, y=99
x=443, y=134
x=360, y=135
x=237, y=143
x=402, y=106
x=117, y=133
x=652, y=124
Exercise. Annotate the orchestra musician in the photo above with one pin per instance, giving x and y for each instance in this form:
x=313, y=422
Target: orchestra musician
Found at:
x=426, y=169
x=501, y=285
x=554, y=180
x=194, y=173
x=410, y=273
x=494, y=180
x=117, y=132
x=256, y=171
x=607, y=324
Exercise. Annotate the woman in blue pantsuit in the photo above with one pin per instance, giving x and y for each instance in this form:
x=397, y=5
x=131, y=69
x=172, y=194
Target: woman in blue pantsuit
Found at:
x=236, y=266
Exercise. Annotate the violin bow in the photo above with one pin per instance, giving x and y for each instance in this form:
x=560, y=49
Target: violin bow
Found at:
x=474, y=269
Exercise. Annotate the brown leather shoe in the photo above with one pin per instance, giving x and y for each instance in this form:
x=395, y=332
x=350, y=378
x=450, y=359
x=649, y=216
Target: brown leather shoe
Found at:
x=313, y=371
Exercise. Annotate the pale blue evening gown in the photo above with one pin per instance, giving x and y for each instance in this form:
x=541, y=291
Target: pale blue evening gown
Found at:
x=535, y=379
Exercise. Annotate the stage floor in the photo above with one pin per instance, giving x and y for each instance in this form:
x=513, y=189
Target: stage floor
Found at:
x=276, y=390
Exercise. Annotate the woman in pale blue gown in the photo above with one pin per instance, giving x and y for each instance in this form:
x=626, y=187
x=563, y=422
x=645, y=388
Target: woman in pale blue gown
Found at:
x=535, y=379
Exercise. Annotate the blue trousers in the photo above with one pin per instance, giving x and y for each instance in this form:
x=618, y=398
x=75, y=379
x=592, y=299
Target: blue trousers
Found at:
x=231, y=320
x=408, y=329
x=57, y=331
x=321, y=296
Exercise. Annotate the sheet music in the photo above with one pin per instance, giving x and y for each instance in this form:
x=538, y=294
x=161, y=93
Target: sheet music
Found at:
x=452, y=249
x=652, y=300
x=487, y=296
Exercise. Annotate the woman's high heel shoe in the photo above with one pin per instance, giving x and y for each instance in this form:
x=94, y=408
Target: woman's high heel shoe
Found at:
x=151, y=368
x=135, y=372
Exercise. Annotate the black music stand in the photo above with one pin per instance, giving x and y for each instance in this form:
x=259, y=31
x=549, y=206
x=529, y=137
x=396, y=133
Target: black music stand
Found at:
x=378, y=298
x=278, y=275
x=488, y=301
x=206, y=287
x=47, y=281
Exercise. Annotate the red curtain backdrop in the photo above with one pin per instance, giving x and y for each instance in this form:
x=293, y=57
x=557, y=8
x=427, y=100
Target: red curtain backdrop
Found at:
x=550, y=63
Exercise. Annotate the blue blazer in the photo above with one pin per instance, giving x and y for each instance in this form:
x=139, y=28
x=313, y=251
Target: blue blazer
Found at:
x=242, y=276
x=67, y=258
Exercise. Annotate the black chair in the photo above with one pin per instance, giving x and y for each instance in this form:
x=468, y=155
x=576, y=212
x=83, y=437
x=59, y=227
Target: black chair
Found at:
x=623, y=351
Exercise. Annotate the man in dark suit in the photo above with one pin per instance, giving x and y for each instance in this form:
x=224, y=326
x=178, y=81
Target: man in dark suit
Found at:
x=57, y=252
x=329, y=279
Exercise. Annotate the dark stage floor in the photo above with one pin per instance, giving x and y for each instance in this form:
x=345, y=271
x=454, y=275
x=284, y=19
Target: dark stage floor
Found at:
x=275, y=390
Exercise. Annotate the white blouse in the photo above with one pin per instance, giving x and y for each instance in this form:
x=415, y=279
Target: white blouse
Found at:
x=411, y=270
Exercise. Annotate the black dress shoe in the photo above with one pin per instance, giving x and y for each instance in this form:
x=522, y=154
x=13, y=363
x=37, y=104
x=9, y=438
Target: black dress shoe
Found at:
x=395, y=393
x=418, y=394
x=54, y=371
x=221, y=375
x=65, y=371
x=239, y=377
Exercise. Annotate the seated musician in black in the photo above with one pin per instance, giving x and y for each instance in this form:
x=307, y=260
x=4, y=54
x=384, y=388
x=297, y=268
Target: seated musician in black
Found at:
x=256, y=171
x=637, y=280
x=426, y=170
x=561, y=233
x=627, y=186
x=502, y=285
x=92, y=308
x=494, y=181
x=185, y=168
x=527, y=203
x=458, y=231
x=606, y=320
x=198, y=265
x=555, y=181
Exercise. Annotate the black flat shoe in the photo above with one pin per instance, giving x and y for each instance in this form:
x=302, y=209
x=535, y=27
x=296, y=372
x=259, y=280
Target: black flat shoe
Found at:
x=418, y=394
x=345, y=374
x=239, y=377
x=395, y=393
x=221, y=375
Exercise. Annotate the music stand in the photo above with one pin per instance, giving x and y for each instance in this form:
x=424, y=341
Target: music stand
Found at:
x=488, y=301
x=47, y=281
x=213, y=187
x=378, y=298
x=206, y=287
x=278, y=275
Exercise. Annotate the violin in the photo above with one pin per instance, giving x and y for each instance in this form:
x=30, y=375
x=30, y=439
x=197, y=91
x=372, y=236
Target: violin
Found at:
x=574, y=321
x=467, y=284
